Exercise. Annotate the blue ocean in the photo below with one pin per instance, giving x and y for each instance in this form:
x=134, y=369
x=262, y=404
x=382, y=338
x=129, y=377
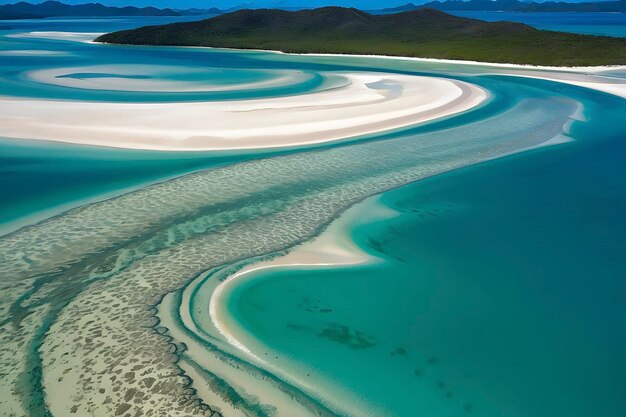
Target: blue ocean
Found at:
x=604, y=24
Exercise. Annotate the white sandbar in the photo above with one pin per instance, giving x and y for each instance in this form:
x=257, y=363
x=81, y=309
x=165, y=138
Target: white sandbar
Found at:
x=332, y=248
x=86, y=37
x=32, y=52
x=369, y=103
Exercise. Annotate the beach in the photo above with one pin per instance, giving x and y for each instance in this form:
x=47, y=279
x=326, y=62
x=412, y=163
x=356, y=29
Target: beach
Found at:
x=368, y=103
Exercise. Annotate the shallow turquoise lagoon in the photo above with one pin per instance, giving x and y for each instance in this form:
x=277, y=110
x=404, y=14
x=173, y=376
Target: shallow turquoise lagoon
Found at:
x=501, y=293
x=39, y=179
x=498, y=288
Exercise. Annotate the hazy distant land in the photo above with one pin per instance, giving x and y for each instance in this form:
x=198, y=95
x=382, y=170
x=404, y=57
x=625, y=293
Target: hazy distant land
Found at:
x=23, y=10
x=514, y=6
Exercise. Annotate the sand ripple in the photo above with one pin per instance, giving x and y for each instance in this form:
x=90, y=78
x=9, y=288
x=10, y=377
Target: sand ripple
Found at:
x=77, y=291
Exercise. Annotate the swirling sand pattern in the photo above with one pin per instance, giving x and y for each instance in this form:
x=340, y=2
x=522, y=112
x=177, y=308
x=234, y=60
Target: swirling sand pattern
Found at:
x=351, y=106
x=77, y=288
x=79, y=291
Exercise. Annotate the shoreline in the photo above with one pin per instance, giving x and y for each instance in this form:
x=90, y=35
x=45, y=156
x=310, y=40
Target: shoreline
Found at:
x=333, y=247
x=586, y=80
x=592, y=68
x=586, y=75
x=463, y=62
x=582, y=71
x=353, y=111
x=616, y=89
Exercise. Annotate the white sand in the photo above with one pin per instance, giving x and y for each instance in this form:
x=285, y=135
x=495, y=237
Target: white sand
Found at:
x=588, y=77
x=370, y=103
x=32, y=52
x=342, y=113
x=86, y=37
x=598, y=68
x=615, y=86
x=334, y=247
x=243, y=381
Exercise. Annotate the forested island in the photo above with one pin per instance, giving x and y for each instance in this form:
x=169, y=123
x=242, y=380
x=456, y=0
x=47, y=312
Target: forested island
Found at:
x=419, y=33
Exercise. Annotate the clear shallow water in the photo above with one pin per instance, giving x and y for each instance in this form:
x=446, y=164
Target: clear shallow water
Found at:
x=606, y=24
x=510, y=244
x=43, y=178
x=38, y=178
x=496, y=280
x=489, y=302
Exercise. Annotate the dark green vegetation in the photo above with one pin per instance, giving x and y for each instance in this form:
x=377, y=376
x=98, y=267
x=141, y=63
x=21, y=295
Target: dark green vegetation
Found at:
x=419, y=33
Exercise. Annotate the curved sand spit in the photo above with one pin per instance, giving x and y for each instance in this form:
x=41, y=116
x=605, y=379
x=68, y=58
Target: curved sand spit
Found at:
x=369, y=103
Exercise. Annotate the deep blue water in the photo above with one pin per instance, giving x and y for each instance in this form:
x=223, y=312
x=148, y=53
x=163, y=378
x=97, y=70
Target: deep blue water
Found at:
x=607, y=24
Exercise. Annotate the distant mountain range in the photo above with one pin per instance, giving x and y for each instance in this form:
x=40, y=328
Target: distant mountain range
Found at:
x=23, y=10
x=513, y=6
x=419, y=33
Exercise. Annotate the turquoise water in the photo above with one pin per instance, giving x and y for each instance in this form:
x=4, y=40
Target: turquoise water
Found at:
x=606, y=24
x=499, y=291
x=72, y=174
x=39, y=178
x=43, y=178
x=501, y=294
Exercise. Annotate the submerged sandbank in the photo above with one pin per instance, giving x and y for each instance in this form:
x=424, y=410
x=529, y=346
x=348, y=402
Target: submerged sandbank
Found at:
x=211, y=292
x=130, y=250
